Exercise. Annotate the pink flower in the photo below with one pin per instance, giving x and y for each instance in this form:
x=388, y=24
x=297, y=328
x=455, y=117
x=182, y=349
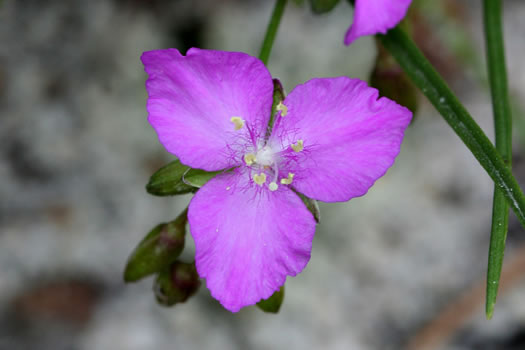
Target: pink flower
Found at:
x=375, y=16
x=332, y=139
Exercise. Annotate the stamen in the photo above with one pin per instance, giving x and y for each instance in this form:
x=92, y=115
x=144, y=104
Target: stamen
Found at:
x=249, y=158
x=298, y=146
x=259, y=179
x=281, y=107
x=238, y=122
x=273, y=186
x=288, y=181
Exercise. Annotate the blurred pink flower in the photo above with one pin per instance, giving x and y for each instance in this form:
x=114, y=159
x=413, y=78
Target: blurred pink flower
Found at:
x=375, y=16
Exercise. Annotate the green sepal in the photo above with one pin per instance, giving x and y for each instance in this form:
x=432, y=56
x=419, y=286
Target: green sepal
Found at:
x=197, y=177
x=273, y=303
x=158, y=249
x=176, y=283
x=176, y=178
x=312, y=206
x=322, y=6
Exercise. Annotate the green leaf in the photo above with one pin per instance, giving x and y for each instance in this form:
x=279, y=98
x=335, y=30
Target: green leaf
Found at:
x=446, y=103
x=323, y=6
x=498, y=236
x=176, y=178
x=158, y=249
x=273, y=303
x=497, y=70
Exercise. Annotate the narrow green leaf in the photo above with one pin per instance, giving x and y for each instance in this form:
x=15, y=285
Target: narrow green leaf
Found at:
x=273, y=303
x=158, y=249
x=323, y=6
x=498, y=236
x=176, y=178
x=446, y=103
x=492, y=18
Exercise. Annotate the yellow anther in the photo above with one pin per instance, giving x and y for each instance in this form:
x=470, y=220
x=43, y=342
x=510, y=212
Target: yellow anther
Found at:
x=238, y=122
x=288, y=180
x=281, y=107
x=259, y=179
x=273, y=186
x=298, y=146
x=249, y=158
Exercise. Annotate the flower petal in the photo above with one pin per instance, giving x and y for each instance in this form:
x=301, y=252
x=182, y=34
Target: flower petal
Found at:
x=247, y=238
x=192, y=99
x=350, y=137
x=375, y=16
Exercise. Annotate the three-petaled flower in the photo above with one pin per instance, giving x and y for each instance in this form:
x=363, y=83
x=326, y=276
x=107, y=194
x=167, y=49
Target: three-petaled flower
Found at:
x=332, y=138
x=375, y=16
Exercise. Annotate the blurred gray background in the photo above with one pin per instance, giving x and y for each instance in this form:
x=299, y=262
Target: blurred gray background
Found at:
x=400, y=268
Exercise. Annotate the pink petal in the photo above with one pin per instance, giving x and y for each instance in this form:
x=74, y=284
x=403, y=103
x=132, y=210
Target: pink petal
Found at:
x=192, y=99
x=375, y=16
x=247, y=238
x=350, y=137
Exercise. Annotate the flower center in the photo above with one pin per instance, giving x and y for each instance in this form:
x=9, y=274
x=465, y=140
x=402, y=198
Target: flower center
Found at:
x=265, y=156
x=263, y=161
x=265, y=164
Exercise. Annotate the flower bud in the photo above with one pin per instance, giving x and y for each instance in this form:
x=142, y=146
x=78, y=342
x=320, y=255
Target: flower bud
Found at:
x=176, y=283
x=392, y=82
x=176, y=178
x=322, y=6
x=157, y=250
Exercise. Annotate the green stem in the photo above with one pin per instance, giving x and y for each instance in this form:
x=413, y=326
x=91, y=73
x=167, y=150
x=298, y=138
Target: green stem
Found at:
x=271, y=31
x=503, y=131
x=439, y=94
